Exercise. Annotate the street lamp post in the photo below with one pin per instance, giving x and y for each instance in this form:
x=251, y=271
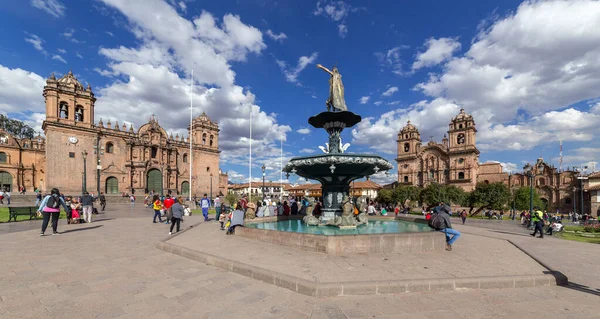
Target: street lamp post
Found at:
x=211, y=195
x=574, y=200
x=84, y=186
x=263, y=176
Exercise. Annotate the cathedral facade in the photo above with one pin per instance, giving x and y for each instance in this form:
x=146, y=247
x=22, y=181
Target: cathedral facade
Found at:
x=455, y=161
x=79, y=153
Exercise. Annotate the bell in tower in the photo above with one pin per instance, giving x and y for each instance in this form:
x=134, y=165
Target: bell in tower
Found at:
x=64, y=111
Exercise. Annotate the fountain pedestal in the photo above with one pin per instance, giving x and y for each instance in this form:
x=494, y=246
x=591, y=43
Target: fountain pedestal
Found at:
x=335, y=169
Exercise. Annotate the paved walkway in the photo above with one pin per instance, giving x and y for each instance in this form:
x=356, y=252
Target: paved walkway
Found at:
x=110, y=269
x=473, y=256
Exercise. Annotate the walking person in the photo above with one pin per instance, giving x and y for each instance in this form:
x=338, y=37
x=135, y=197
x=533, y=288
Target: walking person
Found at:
x=205, y=204
x=463, y=216
x=38, y=198
x=50, y=207
x=167, y=204
x=87, y=206
x=217, y=204
x=157, y=206
x=102, y=201
x=7, y=196
x=176, y=213
x=538, y=221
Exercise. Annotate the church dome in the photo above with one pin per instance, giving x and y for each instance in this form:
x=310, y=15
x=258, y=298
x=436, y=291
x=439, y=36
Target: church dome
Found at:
x=70, y=80
x=409, y=127
x=463, y=116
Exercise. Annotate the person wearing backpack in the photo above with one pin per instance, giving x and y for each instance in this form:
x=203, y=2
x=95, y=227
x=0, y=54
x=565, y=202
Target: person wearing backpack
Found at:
x=440, y=221
x=50, y=207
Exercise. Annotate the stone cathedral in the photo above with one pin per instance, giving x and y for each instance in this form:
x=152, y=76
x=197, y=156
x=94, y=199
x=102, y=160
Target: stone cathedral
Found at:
x=118, y=159
x=455, y=161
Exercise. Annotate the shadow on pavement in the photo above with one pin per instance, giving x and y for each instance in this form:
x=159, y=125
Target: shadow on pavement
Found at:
x=81, y=229
x=583, y=288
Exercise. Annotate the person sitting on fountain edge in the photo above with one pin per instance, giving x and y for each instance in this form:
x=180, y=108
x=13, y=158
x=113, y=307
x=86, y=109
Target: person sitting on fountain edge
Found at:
x=444, y=211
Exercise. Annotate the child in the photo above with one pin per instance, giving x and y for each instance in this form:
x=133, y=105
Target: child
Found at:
x=75, y=208
x=222, y=220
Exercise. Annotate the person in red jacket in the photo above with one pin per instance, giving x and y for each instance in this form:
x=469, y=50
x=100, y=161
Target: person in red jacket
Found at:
x=167, y=203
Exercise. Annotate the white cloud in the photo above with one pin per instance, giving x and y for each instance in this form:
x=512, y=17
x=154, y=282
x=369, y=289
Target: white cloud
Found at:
x=154, y=77
x=364, y=99
x=438, y=51
x=277, y=37
x=182, y=6
x=77, y=54
x=307, y=151
x=69, y=35
x=36, y=42
x=63, y=51
x=304, y=130
x=59, y=58
x=390, y=91
x=391, y=59
x=291, y=74
x=510, y=167
x=109, y=33
x=53, y=7
x=378, y=103
x=336, y=11
x=20, y=91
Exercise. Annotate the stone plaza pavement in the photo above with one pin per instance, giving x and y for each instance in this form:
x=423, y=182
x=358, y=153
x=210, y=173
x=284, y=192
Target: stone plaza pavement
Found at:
x=111, y=269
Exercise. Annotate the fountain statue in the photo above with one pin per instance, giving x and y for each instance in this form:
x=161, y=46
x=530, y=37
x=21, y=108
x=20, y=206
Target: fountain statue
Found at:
x=336, y=168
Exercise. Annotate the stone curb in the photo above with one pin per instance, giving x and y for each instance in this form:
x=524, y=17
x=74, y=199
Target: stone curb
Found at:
x=335, y=289
x=561, y=279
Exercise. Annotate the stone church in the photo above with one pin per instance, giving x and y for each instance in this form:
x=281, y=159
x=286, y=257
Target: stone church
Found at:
x=79, y=153
x=455, y=161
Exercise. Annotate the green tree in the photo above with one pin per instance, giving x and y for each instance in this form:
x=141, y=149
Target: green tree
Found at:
x=402, y=194
x=435, y=193
x=490, y=196
x=231, y=198
x=521, y=199
x=384, y=196
x=16, y=128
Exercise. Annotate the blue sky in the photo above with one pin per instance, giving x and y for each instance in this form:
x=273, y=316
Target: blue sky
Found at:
x=527, y=71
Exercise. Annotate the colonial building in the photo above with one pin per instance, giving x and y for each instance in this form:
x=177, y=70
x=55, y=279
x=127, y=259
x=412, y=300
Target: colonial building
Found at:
x=455, y=161
x=79, y=152
x=273, y=190
x=366, y=188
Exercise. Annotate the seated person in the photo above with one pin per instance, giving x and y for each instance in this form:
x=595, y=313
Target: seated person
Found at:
x=237, y=219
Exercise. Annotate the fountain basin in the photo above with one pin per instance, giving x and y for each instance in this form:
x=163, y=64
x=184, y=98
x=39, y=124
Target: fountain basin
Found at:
x=378, y=236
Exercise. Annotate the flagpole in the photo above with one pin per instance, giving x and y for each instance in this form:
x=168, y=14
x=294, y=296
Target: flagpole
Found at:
x=191, y=132
x=250, y=160
x=281, y=170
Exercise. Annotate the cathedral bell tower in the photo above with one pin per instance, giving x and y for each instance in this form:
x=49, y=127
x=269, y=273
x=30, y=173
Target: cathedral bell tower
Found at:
x=68, y=102
x=462, y=132
x=462, y=154
x=409, y=143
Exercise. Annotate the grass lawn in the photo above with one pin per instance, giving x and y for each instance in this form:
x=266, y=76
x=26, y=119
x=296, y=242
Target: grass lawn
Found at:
x=4, y=216
x=577, y=237
x=199, y=211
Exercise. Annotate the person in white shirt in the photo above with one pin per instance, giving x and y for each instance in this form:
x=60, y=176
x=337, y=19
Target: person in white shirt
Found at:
x=217, y=203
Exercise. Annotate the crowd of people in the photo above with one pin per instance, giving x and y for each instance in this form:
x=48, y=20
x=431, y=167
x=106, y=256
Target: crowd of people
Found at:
x=78, y=209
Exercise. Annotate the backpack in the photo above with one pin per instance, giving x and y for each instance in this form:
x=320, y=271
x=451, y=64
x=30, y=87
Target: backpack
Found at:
x=53, y=202
x=437, y=221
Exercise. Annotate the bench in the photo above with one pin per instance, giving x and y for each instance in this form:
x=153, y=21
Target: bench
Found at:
x=13, y=212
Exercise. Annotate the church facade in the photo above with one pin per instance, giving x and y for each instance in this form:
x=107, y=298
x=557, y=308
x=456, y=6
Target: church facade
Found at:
x=79, y=153
x=455, y=161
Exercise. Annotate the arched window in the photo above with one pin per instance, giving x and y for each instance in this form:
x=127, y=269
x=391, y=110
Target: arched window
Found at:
x=460, y=139
x=3, y=157
x=406, y=136
x=406, y=147
x=431, y=173
x=79, y=113
x=406, y=179
x=486, y=182
x=541, y=182
x=154, y=152
x=204, y=139
x=211, y=140
x=110, y=147
x=461, y=175
x=63, y=110
x=460, y=126
x=5, y=181
x=112, y=185
x=185, y=158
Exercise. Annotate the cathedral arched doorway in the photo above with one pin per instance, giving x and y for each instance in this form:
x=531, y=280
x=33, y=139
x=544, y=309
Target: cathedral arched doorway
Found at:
x=544, y=203
x=5, y=182
x=112, y=185
x=154, y=181
x=185, y=188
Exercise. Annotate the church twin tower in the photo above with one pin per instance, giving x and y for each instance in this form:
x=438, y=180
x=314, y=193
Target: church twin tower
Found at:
x=118, y=159
x=454, y=161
